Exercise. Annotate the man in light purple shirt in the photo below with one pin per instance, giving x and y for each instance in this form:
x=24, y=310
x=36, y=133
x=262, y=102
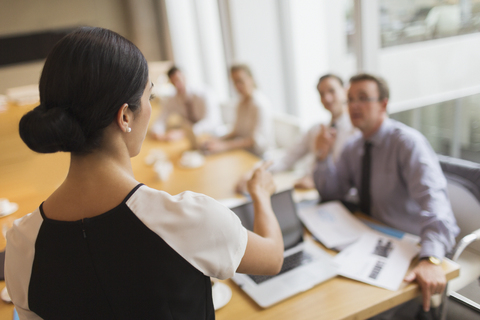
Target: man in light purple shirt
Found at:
x=405, y=186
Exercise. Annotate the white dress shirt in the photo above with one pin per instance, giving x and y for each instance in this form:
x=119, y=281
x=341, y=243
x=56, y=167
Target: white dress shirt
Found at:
x=306, y=145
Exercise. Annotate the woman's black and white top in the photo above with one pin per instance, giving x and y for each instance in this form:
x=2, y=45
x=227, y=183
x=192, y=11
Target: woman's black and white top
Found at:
x=148, y=258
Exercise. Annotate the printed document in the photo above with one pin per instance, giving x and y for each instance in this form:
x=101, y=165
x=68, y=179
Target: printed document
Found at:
x=334, y=226
x=377, y=259
x=371, y=253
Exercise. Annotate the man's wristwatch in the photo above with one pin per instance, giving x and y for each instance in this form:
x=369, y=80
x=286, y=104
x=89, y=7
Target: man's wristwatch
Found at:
x=432, y=260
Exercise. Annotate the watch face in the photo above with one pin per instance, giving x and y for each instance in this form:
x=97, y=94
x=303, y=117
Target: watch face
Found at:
x=434, y=260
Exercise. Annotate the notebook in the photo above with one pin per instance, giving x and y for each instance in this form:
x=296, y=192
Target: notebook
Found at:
x=305, y=264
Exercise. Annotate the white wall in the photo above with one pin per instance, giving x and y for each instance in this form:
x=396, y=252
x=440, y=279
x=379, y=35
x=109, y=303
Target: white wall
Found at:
x=311, y=56
x=340, y=62
x=256, y=42
x=319, y=46
x=215, y=71
x=185, y=41
x=430, y=68
x=197, y=43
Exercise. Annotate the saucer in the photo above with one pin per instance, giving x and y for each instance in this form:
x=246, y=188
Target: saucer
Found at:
x=163, y=168
x=221, y=294
x=192, y=159
x=8, y=209
x=155, y=155
x=5, y=296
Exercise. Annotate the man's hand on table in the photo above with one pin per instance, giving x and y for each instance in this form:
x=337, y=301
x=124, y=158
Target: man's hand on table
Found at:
x=215, y=146
x=430, y=278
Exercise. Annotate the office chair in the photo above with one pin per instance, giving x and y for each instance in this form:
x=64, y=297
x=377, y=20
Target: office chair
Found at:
x=463, y=183
x=287, y=130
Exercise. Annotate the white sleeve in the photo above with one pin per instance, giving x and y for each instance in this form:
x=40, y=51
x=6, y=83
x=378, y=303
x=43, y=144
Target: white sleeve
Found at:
x=20, y=253
x=263, y=136
x=203, y=231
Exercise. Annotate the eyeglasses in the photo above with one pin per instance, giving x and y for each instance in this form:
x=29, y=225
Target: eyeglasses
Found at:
x=362, y=100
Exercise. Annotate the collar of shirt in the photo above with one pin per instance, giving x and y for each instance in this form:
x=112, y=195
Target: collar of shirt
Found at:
x=380, y=136
x=343, y=121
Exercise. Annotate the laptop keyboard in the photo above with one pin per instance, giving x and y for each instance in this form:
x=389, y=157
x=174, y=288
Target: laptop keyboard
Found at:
x=289, y=263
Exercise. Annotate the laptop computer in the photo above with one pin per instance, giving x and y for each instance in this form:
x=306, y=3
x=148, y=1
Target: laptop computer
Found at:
x=305, y=264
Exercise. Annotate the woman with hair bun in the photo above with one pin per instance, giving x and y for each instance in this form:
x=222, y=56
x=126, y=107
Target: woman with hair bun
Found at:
x=103, y=245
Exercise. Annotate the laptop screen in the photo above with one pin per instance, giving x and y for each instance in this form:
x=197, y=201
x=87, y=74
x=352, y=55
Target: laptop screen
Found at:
x=285, y=210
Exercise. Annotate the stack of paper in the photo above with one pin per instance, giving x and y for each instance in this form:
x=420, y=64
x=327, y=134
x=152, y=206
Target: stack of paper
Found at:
x=371, y=253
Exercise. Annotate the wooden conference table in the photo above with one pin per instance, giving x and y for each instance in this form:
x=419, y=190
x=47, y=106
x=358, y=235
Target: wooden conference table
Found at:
x=28, y=178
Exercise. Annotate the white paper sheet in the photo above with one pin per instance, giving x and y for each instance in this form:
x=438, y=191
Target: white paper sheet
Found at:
x=332, y=224
x=377, y=259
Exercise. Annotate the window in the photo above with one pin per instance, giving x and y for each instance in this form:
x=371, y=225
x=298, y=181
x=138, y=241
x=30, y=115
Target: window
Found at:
x=407, y=21
x=350, y=25
x=452, y=127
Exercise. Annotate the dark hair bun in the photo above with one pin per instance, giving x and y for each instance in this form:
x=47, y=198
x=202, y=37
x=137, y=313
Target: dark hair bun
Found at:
x=87, y=77
x=50, y=130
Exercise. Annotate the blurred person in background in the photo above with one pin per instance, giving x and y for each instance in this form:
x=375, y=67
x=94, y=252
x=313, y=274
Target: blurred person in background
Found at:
x=253, y=127
x=197, y=108
x=333, y=96
x=399, y=181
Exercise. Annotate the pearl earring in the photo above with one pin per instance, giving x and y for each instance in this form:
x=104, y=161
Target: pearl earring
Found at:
x=129, y=129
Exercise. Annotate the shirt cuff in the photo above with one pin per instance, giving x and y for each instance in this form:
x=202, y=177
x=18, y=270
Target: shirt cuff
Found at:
x=432, y=249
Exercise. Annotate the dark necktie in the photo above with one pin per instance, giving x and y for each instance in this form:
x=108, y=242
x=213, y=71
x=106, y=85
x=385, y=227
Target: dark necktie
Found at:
x=365, y=198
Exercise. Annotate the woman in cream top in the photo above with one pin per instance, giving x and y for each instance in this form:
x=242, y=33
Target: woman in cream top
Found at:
x=253, y=128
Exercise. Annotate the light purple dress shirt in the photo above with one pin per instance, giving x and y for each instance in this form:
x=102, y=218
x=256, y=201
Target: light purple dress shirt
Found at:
x=407, y=186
